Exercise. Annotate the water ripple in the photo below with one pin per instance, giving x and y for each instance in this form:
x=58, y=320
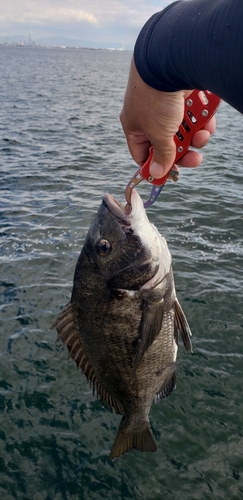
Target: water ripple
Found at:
x=62, y=148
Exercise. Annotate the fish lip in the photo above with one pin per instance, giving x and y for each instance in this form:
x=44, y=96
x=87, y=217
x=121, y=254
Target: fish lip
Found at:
x=116, y=209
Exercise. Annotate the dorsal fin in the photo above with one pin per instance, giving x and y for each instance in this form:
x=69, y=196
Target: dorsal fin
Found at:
x=68, y=335
x=182, y=326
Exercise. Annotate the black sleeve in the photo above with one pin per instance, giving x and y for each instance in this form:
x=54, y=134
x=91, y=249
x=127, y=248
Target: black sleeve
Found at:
x=194, y=44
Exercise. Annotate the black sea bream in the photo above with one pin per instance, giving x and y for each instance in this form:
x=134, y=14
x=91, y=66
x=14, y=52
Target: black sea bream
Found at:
x=122, y=323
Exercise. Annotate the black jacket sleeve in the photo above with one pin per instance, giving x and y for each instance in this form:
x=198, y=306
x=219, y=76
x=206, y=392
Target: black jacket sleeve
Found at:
x=194, y=44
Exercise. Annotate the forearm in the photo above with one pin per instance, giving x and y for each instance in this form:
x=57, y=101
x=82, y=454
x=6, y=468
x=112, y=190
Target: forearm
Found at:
x=194, y=44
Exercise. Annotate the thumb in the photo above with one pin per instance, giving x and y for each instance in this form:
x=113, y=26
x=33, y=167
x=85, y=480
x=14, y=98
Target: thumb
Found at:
x=163, y=160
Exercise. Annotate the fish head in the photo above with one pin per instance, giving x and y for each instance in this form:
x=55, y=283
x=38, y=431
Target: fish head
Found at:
x=124, y=247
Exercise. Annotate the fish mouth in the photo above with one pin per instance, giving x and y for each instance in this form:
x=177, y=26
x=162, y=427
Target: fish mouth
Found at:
x=117, y=210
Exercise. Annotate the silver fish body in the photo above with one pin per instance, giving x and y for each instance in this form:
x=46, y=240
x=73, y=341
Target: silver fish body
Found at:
x=122, y=324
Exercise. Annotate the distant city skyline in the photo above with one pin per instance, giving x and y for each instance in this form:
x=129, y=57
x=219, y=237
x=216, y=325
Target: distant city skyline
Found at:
x=60, y=41
x=103, y=22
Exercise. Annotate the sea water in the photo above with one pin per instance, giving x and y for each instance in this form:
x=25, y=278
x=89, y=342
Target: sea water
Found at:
x=62, y=148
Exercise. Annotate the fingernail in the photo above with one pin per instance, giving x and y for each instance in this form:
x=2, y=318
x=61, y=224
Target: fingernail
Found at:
x=156, y=170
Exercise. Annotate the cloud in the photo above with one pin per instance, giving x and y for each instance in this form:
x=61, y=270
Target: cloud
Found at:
x=43, y=13
x=93, y=19
x=103, y=12
x=129, y=12
x=60, y=15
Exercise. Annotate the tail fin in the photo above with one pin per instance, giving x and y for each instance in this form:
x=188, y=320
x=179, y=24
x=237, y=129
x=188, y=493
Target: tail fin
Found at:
x=125, y=441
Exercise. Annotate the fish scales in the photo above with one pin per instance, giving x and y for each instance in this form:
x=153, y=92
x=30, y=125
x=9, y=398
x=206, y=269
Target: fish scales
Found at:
x=122, y=324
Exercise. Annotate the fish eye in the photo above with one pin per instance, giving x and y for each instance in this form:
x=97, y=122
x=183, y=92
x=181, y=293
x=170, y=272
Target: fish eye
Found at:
x=103, y=247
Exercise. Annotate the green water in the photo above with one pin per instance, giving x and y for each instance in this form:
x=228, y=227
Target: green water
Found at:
x=62, y=148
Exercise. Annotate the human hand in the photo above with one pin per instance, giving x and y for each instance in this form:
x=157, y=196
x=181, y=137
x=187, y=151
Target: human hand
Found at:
x=150, y=116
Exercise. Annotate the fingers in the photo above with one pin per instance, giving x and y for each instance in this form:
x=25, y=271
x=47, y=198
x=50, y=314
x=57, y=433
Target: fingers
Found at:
x=191, y=159
x=138, y=145
x=161, y=164
x=201, y=137
x=152, y=117
x=211, y=125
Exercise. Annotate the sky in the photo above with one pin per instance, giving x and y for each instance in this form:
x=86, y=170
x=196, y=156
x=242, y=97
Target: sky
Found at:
x=103, y=21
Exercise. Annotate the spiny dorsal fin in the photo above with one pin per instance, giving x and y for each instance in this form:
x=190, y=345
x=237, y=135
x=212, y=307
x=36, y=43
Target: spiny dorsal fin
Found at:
x=182, y=326
x=67, y=333
x=149, y=327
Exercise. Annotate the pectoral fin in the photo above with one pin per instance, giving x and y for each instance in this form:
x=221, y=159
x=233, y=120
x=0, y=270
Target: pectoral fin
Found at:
x=149, y=327
x=182, y=326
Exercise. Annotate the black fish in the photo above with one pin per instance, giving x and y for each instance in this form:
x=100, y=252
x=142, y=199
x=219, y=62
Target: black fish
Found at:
x=122, y=324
